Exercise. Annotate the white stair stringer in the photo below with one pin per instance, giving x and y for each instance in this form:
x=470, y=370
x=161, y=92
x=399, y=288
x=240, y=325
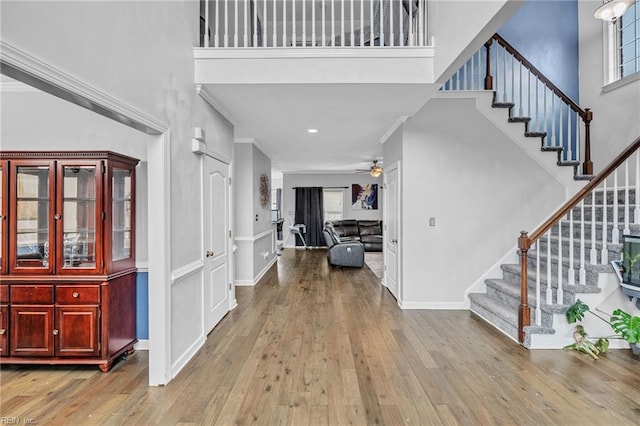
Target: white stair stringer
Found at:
x=609, y=286
x=515, y=131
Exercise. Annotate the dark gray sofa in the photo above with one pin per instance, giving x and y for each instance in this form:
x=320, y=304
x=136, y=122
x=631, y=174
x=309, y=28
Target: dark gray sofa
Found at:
x=343, y=253
x=368, y=232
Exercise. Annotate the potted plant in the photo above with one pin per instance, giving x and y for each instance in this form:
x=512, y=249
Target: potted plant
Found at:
x=623, y=323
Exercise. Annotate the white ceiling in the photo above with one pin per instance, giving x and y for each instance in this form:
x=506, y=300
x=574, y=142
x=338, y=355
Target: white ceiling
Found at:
x=351, y=120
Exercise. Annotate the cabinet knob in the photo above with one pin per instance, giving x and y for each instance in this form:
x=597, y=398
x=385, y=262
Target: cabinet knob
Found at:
x=57, y=216
x=55, y=332
x=209, y=253
x=75, y=294
x=2, y=331
x=2, y=217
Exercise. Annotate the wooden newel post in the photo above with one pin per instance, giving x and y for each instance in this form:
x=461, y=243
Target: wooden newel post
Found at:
x=587, y=166
x=488, y=80
x=524, y=312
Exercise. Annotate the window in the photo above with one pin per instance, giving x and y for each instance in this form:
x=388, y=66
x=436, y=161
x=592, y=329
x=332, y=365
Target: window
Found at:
x=629, y=41
x=333, y=201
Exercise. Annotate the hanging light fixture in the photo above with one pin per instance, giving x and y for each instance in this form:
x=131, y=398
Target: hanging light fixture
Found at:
x=612, y=9
x=375, y=169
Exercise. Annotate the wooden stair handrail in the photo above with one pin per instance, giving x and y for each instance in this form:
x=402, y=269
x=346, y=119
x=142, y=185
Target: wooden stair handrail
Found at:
x=525, y=241
x=540, y=76
x=586, y=114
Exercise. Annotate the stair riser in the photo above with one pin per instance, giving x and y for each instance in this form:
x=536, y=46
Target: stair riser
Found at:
x=599, y=214
x=568, y=296
x=610, y=197
x=502, y=324
x=612, y=251
x=514, y=303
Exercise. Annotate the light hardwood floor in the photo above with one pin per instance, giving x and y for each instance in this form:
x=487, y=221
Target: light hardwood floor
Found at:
x=317, y=345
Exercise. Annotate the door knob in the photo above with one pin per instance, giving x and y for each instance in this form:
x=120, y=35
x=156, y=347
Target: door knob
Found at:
x=209, y=253
x=2, y=331
x=55, y=332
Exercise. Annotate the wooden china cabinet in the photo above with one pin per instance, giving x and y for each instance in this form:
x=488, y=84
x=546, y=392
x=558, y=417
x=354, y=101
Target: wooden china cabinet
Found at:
x=67, y=257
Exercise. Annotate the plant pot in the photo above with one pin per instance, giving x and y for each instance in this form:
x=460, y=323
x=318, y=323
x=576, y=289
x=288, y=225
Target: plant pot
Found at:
x=635, y=348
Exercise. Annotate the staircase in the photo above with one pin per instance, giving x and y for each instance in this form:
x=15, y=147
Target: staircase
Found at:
x=568, y=257
x=499, y=305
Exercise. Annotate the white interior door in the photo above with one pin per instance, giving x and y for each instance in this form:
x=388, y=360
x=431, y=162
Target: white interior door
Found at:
x=216, y=241
x=392, y=229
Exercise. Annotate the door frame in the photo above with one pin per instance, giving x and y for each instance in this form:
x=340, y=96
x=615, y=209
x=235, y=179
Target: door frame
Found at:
x=385, y=221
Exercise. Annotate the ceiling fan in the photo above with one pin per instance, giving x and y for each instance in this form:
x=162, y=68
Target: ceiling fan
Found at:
x=375, y=170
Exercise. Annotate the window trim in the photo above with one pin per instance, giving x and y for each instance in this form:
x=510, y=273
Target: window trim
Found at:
x=612, y=68
x=342, y=192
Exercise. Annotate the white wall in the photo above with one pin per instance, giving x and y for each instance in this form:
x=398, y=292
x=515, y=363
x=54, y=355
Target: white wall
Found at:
x=292, y=180
x=142, y=54
x=254, y=232
x=461, y=27
x=480, y=187
x=54, y=124
x=616, y=114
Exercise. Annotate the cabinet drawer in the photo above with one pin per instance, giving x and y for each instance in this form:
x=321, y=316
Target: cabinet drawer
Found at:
x=74, y=294
x=4, y=293
x=31, y=294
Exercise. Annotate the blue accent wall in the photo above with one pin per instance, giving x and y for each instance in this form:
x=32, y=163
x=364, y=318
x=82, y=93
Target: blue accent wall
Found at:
x=142, y=305
x=546, y=33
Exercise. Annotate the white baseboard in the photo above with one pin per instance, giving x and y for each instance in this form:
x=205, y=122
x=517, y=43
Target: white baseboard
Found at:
x=434, y=305
x=142, y=345
x=254, y=281
x=186, y=356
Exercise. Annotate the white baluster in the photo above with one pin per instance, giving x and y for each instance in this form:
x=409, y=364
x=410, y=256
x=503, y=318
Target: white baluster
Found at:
x=333, y=24
x=554, y=141
x=513, y=81
x=255, y=25
x=294, y=24
x=593, y=253
x=529, y=94
x=313, y=23
x=401, y=24
x=361, y=23
x=421, y=24
x=473, y=72
x=544, y=109
x=391, y=40
x=205, y=36
x=216, y=36
x=626, y=230
x=560, y=292
x=549, y=292
x=353, y=31
x=520, y=112
x=246, y=23
x=538, y=303
x=537, y=119
x=582, y=273
x=266, y=22
x=275, y=25
x=304, y=24
x=342, y=42
x=504, y=76
x=284, y=23
x=615, y=232
x=466, y=73
x=604, y=255
x=578, y=139
x=571, y=276
x=235, y=23
x=324, y=20
x=381, y=25
x=226, y=23
x=636, y=211
x=570, y=155
x=371, y=35
x=561, y=139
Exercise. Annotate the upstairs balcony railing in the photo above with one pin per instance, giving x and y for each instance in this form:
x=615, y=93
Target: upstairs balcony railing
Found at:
x=313, y=23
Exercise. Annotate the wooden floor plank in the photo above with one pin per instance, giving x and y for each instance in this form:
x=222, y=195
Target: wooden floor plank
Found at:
x=316, y=345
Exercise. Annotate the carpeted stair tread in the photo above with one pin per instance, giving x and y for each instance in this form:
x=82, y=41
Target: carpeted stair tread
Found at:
x=513, y=291
x=503, y=104
x=519, y=119
x=514, y=269
x=551, y=148
x=535, y=134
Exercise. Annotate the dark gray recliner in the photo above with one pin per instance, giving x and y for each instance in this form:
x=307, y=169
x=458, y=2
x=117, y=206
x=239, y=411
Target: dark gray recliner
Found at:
x=348, y=253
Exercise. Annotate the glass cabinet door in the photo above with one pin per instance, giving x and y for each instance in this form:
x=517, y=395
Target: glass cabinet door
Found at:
x=31, y=241
x=79, y=235
x=122, y=214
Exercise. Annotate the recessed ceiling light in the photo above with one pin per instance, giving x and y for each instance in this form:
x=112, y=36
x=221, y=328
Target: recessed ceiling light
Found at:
x=312, y=131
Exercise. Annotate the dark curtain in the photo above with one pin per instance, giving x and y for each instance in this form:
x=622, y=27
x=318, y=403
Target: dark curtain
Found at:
x=309, y=210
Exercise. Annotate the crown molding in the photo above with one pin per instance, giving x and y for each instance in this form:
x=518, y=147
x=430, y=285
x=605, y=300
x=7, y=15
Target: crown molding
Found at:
x=30, y=70
x=399, y=122
x=205, y=94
